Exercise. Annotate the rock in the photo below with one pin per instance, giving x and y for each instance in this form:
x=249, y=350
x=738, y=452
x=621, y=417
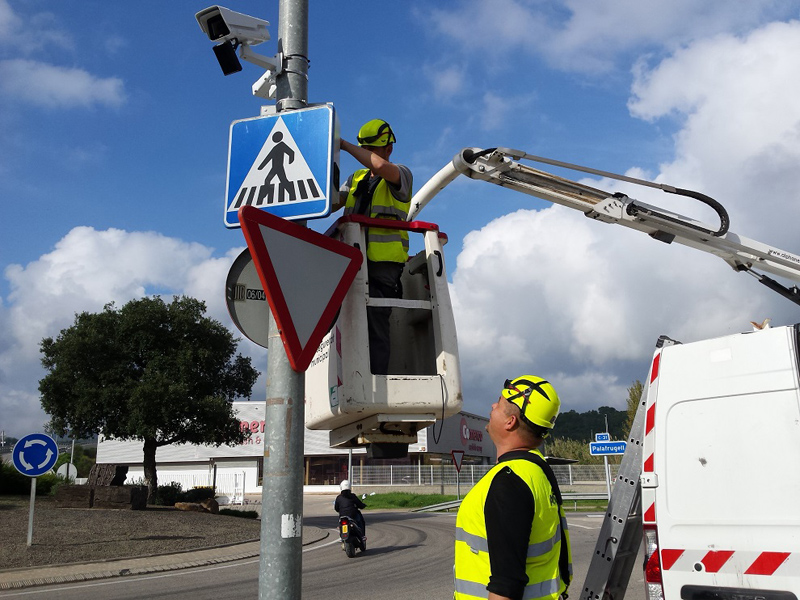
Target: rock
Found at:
x=191, y=507
x=211, y=505
x=127, y=497
x=105, y=474
x=74, y=496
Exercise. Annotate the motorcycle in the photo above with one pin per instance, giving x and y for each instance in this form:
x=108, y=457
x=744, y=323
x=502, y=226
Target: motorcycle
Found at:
x=351, y=536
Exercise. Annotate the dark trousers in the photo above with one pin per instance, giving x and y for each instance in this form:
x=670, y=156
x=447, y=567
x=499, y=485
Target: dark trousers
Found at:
x=384, y=282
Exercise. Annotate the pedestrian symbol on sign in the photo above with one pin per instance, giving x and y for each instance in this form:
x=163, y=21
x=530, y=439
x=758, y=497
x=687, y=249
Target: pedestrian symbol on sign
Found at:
x=288, y=177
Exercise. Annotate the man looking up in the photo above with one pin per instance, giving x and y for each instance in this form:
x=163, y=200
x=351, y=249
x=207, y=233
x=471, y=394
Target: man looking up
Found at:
x=511, y=533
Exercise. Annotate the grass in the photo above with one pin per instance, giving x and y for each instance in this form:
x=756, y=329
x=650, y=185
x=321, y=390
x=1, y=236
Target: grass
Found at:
x=405, y=500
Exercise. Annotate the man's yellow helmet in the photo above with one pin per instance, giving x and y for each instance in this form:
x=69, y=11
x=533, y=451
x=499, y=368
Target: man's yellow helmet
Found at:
x=376, y=133
x=536, y=399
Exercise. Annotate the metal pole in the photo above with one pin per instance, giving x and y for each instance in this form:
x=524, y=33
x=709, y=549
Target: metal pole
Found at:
x=281, y=563
x=30, y=514
x=72, y=461
x=608, y=478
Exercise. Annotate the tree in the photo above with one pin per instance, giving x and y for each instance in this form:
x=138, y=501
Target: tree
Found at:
x=150, y=371
x=634, y=397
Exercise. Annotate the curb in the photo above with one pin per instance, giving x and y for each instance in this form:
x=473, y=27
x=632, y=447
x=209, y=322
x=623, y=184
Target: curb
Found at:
x=143, y=565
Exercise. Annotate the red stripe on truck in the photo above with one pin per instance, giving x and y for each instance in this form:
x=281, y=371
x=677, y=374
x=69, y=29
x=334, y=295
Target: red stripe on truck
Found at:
x=767, y=563
x=668, y=558
x=714, y=560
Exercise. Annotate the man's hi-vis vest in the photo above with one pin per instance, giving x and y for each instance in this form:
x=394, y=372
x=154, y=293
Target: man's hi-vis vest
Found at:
x=383, y=245
x=472, y=567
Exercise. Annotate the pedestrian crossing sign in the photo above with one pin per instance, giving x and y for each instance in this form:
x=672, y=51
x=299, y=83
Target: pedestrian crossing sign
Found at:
x=283, y=164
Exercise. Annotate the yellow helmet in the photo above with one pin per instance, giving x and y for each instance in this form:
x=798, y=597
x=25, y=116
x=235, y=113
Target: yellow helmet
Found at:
x=376, y=133
x=536, y=399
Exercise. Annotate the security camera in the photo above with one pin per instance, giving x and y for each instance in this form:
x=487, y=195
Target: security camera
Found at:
x=222, y=24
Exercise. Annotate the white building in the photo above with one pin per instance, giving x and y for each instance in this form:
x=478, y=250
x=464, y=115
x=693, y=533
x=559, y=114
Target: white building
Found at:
x=240, y=467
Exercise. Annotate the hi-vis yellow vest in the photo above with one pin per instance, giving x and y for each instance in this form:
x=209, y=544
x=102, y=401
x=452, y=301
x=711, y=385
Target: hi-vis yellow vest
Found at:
x=472, y=567
x=383, y=245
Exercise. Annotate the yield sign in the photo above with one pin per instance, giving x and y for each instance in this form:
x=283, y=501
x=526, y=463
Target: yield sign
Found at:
x=458, y=456
x=305, y=276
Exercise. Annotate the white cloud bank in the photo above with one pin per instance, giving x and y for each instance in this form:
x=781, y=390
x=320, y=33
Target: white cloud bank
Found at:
x=581, y=303
x=86, y=270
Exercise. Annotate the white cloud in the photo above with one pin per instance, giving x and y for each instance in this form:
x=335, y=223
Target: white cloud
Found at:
x=446, y=80
x=581, y=303
x=86, y=270
x=589, y=37
x=50, y=86
x=740, y=135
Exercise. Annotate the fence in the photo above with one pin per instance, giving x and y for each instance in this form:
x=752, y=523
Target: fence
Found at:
x=228, y=484
x=431, y=475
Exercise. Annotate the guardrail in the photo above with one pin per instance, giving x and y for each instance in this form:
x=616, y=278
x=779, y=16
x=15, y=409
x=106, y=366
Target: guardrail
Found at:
x=571, y=497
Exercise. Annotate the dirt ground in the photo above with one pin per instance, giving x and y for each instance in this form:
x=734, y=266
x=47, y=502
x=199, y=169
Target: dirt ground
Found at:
x=76, y=535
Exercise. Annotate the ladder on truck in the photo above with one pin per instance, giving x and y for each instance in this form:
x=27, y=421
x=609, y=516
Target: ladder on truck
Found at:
x=621, y=532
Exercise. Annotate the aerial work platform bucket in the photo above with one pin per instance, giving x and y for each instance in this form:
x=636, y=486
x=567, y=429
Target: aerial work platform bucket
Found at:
x=424, y=381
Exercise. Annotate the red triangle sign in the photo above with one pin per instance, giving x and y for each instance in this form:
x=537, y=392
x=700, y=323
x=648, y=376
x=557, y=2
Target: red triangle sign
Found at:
x=305, y=276
x=458, y=455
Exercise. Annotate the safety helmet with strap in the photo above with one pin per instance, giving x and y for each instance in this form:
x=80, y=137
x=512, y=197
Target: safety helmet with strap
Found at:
x=376, y=133
x=536, y=399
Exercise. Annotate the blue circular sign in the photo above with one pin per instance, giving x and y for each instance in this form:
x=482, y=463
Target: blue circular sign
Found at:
x=35, y=454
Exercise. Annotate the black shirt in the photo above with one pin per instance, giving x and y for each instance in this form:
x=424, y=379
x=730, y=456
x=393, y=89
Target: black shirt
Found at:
x=508, y=513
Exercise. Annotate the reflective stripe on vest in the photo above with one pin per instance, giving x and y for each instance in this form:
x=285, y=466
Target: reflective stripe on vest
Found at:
x=472, y=565
x=532, y=591
x=479, y=544
x=383, y=245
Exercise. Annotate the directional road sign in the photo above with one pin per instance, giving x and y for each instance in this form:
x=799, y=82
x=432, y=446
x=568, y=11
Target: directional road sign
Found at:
x=34, y=454
x=606, y=448
x=602, y=437
x=305, y=276
x=283, y=164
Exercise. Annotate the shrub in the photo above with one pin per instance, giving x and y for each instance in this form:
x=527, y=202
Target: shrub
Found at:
x=168, y=495
x=198, y=494
x=12, y=482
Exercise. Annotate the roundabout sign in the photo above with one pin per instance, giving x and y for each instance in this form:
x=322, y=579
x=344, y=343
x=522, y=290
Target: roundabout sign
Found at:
x=35, y=454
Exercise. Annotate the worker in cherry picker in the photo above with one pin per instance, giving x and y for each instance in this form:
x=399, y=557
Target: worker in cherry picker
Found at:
x=381, y=190
x=511, y=532
x=347, y=504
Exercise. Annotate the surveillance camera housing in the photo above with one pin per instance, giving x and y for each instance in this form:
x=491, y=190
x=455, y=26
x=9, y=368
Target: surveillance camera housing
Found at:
x=222, y=24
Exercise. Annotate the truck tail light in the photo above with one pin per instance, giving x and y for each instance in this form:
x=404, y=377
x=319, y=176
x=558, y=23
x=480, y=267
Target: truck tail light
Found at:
x=652, y=564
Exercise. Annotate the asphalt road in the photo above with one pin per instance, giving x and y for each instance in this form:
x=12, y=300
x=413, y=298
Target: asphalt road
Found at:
x=409, y=555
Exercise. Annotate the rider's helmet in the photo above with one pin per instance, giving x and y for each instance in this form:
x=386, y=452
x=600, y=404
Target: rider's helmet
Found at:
x=345, y=485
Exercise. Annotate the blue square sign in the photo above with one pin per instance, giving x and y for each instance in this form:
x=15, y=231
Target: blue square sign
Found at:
x=283, y=164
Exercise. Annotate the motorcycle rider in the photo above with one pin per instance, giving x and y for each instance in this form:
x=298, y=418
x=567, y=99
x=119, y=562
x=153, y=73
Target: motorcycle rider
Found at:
x=348, y=504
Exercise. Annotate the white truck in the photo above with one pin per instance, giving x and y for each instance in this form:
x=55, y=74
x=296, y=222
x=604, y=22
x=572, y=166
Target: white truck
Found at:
x=711, y=476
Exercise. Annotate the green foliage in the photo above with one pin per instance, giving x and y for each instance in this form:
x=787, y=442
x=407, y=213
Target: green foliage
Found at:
x=634, y=397
x=82, y=460
x=582, y=426
x=14, y=483
x=197, y=494
x=232, y=512
x=167, y=495
x=150, y=371
x=405, y=500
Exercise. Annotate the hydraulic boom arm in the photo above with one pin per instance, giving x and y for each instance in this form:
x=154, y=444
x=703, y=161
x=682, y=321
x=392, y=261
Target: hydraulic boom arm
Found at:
x=501, y=166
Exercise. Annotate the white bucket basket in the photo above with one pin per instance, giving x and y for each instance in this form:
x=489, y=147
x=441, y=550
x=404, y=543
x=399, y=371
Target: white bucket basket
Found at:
x=424, y=384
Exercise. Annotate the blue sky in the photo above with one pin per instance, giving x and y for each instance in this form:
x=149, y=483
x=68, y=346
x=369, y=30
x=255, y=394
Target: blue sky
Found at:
x=114, y=122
